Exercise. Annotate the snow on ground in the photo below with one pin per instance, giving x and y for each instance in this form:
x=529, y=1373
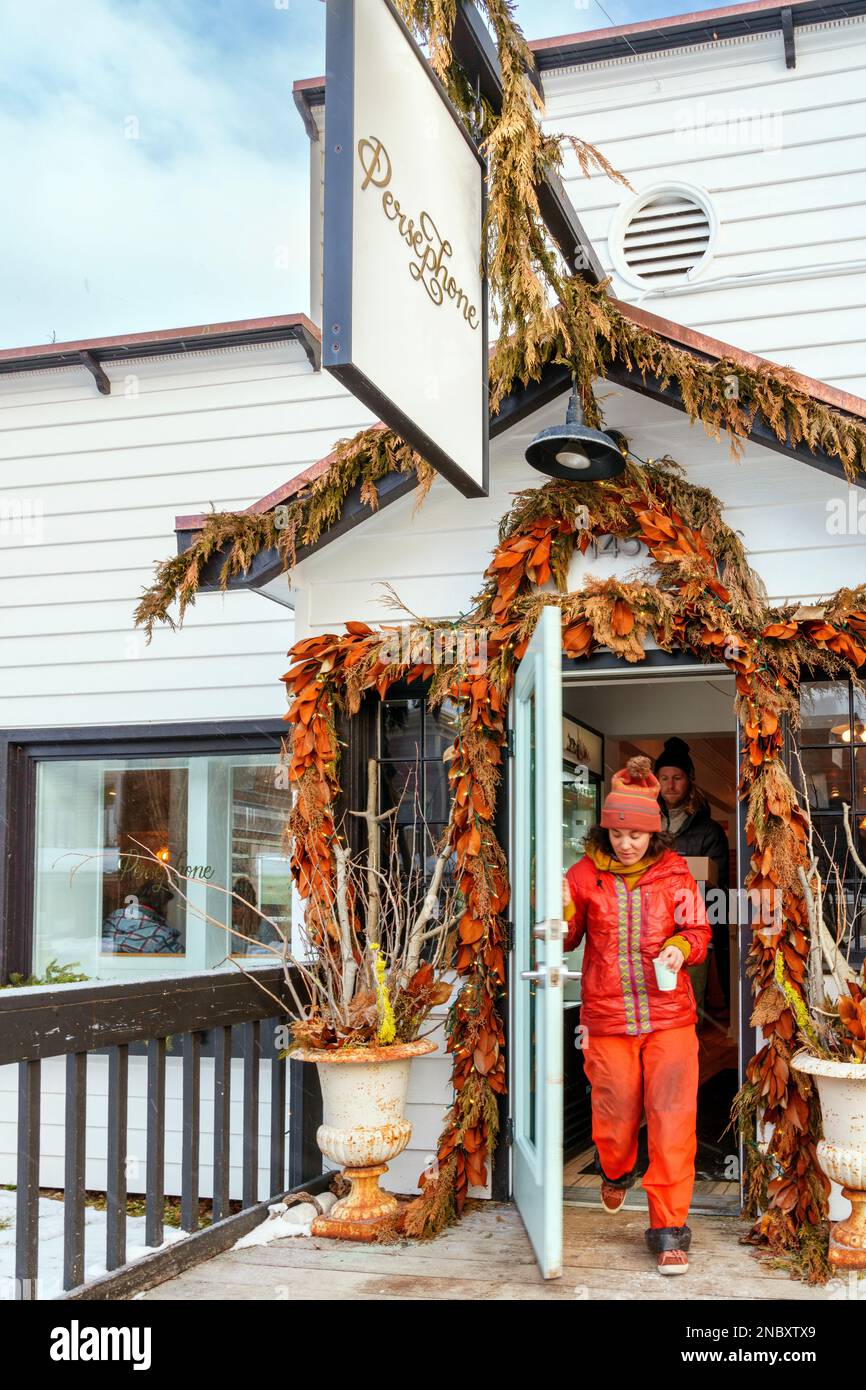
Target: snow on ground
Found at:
x=50, y=1280
x=283, y=1220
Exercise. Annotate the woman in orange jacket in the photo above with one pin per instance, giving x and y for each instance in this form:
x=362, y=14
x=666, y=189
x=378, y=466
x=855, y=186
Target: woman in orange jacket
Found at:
x=633, y=899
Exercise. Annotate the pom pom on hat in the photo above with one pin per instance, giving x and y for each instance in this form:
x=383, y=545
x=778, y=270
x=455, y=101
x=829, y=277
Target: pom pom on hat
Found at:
x=632, y=803
x=638, y=772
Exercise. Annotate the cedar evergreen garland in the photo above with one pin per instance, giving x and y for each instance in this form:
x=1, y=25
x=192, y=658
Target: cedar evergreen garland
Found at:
x=584, y=330
x=358, y=462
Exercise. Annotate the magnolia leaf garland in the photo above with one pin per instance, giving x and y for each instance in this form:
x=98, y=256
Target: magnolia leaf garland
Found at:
x=701, y=596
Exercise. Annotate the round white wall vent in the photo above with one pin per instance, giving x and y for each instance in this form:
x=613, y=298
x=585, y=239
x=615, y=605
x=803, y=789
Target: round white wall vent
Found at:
x=664, y=236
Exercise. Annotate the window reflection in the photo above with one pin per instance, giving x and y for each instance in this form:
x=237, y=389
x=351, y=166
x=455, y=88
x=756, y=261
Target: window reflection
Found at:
x=105, y=827
x=832, y=739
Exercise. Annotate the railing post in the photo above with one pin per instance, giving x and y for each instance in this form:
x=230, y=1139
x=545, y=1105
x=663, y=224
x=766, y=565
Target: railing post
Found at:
x=189, y=1177
x=27, y=1203
x=75, y=1139
x=252, y=1057
x=222, y=1061
x=155, y=1177
x=305, y=1116
x=118, y=1099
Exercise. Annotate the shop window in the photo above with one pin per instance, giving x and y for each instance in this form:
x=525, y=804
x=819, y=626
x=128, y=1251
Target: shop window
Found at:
x=833, y=756
x=101, y=900
x=414, y=778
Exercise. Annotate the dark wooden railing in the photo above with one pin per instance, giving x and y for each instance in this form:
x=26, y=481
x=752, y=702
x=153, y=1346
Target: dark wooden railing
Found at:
x=75, y=1020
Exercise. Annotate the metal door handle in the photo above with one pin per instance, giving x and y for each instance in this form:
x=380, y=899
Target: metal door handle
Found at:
x=548, y=974
x=540, y=932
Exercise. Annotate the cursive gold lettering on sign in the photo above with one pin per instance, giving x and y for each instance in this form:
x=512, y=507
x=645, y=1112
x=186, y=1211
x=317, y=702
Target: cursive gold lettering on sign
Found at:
x=430, y=249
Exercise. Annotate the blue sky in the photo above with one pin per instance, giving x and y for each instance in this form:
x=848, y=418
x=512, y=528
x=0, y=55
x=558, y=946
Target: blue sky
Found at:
x=154, y=165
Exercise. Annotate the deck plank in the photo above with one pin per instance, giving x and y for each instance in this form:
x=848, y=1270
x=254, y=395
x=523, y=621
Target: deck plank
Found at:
x=488, y=1255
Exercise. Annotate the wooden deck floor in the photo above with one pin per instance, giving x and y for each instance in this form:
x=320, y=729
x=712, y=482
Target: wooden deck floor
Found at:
x=487, y=1255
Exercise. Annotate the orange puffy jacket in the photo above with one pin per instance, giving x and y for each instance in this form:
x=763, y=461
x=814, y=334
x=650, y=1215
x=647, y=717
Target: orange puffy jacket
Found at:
x=624, y=932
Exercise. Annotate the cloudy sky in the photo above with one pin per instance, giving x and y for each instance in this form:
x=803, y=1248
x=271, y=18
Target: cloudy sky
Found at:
x=154, y=165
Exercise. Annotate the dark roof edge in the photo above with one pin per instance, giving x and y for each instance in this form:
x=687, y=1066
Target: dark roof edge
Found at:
x=681, y=31
x=308, y=92
x=161, y=342
x=526, y=400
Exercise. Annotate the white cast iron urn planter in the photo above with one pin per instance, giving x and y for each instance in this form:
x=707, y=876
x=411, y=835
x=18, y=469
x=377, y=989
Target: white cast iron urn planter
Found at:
x=363, y=1100
x=842, y=1151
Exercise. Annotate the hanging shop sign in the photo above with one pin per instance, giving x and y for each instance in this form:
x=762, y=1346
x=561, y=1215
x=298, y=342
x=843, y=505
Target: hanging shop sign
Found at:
x=405, y=303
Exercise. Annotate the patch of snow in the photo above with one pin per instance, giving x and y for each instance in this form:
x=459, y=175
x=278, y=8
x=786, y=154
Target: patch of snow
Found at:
x=49, y=1283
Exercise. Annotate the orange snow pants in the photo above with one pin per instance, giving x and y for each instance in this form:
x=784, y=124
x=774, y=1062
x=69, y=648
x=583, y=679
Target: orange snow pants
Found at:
x=656, y=1072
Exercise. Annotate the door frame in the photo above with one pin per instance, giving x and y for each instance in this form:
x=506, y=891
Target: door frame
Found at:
x=657, y=664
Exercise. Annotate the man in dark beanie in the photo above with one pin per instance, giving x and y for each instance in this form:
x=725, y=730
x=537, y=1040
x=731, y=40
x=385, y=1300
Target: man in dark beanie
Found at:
x=686, y=817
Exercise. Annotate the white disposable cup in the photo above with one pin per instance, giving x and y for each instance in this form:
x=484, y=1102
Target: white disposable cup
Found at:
x=665, y=978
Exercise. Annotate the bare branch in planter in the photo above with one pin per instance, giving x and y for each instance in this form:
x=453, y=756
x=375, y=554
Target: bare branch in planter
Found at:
x=347, y=953
x=374, y=849
x=429, y=905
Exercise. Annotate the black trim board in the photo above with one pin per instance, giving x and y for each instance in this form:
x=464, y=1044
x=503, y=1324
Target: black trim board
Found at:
x=163, y=347
x=556, y=379
x=522, y=403
x=268, y=565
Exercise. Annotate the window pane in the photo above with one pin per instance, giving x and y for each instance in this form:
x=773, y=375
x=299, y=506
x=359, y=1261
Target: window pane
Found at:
x=400, y=787
x=824, y=712
x=102, y=902
x=260, y=870
x=400, y=729
x=831, y=845
x=144, y=813
x=854, y=905
x=435, y=834
x=441, y=729
x=860, y=777
x=437, y=792
x=417, y=852
x=828, y=777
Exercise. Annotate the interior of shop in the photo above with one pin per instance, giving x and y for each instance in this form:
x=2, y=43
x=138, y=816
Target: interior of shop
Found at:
x=605, y=722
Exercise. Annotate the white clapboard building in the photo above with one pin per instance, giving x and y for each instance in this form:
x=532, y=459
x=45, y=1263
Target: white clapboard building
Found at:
x=743, y=135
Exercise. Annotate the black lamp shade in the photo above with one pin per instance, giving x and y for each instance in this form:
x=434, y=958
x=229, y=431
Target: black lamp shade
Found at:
x=593, y=455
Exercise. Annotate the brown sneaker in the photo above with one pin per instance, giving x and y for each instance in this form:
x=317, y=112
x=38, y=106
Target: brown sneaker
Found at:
x=612, y=1197
x=672, y=1262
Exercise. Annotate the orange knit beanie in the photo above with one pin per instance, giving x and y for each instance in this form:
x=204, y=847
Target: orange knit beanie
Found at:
x=632, y=803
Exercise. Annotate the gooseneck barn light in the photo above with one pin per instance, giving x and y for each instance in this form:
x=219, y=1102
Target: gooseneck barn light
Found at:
x=574, y=451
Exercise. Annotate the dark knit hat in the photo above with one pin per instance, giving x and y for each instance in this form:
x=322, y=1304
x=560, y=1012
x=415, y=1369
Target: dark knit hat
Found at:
x=676, y=754
x=632, y=803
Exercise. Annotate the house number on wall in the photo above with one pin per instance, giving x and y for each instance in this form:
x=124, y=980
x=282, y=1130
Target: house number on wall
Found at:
x=615, y=545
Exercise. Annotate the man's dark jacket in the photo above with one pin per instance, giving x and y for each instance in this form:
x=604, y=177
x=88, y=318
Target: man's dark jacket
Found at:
x=700, y=835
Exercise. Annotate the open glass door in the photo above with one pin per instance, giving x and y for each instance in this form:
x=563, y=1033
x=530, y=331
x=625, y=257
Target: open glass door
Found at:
x=537, y=993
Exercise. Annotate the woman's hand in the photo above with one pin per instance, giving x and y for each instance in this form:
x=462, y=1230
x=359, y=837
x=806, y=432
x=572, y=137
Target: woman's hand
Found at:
x=566, y=896
x=671, y=957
